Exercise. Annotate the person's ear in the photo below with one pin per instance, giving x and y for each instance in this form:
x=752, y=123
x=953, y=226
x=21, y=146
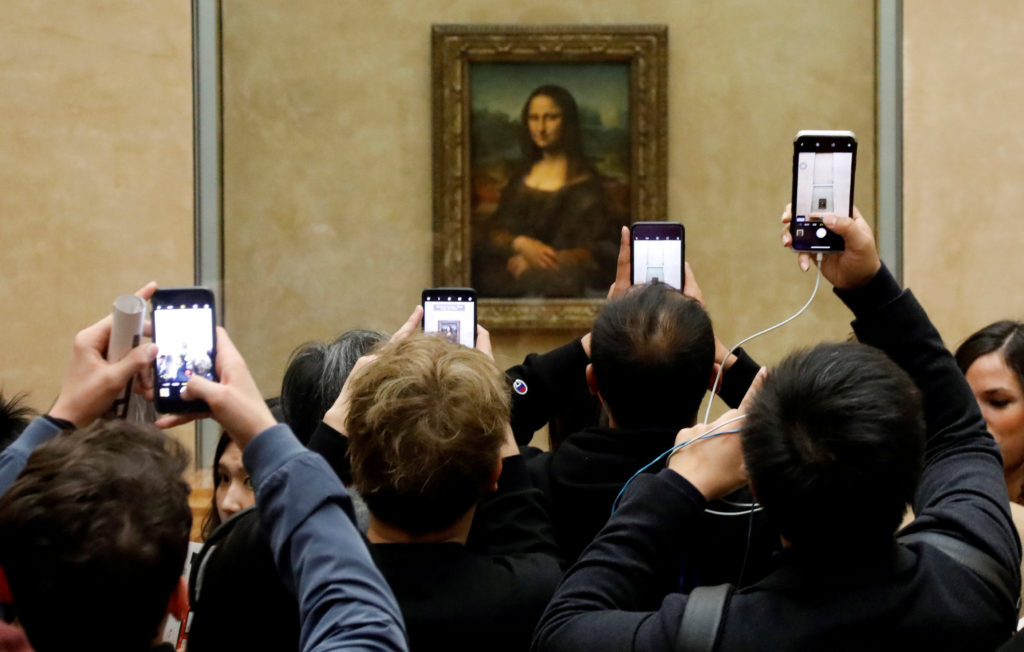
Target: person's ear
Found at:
x=592, y=382
x=495, y=475
x=177, y=604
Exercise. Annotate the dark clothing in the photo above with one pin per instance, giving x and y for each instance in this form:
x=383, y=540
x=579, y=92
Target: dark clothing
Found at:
x=234, y=580
x=901, y=597
x=344, y=601
x=485, y=595
x=582, y=478
x=575, y=216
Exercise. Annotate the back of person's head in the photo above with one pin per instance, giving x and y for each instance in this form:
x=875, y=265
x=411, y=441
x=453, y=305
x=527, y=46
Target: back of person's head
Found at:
x=653, y=351
x=834, y=446
x=425, y=426
x=315, y=375
x=95, y=530
x=238, y=601
x=1007, y=337
x=14, y=417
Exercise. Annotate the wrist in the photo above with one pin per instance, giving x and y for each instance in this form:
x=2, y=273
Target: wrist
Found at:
x=63, y=412
x=336, y=420
x=63, y=424
x=247, y=430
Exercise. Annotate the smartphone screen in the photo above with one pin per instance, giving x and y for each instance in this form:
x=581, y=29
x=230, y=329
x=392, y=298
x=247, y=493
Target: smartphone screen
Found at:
x=184, y=326
x=823, y=173
x=452, y=313
x=657, y=250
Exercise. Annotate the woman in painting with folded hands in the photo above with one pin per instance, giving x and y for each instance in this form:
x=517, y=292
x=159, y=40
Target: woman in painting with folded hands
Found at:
x=552, y=213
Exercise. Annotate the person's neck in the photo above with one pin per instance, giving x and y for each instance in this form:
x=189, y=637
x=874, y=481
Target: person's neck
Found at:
x=457, y=532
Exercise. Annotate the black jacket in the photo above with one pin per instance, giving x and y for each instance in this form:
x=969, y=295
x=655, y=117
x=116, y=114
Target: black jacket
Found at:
x=485, y=595
x=905, y=597
x=583, y=476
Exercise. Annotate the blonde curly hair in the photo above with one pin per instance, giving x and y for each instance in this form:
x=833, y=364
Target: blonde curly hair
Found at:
x=426, y=423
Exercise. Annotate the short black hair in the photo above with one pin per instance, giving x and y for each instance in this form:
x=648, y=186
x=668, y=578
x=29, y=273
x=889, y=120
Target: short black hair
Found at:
x=834, y=446
x=96, y=524
x=315, y=375
x=1005, y=336
x=653, y=351
x=14, y=418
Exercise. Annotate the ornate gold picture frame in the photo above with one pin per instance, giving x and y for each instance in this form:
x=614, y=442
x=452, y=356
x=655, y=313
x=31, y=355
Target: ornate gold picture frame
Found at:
x=541, y=253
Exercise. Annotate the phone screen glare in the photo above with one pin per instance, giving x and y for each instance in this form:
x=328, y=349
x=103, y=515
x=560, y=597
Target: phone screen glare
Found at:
x=659, y=257
x=184, y=336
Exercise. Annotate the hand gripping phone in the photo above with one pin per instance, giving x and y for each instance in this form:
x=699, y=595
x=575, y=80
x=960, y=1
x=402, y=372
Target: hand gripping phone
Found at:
x=823, y=171
x=184, y=330
x=657, y=251
x=452, y=313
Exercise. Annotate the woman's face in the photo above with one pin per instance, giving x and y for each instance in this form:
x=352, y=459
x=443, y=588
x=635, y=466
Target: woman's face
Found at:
x=544, y=119
x=998, y=391
x=234, y=489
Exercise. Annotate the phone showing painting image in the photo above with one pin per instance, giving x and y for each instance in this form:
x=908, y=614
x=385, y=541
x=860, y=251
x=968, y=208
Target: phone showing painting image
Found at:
x=452, y=313
x=823, y=171
x=184, y=330
x=657, y=252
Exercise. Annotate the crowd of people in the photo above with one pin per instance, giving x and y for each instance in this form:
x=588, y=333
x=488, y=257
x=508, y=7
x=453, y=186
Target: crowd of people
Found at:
x=389, y=498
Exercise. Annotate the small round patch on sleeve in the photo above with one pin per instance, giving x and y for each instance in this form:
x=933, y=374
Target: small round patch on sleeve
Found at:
x=519, y=386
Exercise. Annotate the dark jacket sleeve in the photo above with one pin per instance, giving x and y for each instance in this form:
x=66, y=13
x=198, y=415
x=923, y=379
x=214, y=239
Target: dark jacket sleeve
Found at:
x=736, y=380
x=513, y=519
x=962, y=490
x=344, y=601
x=333, y=447
x=607, y=599
x=542, y=384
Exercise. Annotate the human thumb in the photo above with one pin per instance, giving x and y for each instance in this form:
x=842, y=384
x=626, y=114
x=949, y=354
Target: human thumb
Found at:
x=838, y=223
x=199, y=388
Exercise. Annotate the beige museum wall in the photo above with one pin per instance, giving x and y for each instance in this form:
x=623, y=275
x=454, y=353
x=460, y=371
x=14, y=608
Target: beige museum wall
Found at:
x=95, y=171
x=964, y=161
x=328, y=151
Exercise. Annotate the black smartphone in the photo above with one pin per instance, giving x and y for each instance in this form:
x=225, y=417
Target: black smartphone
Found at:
x=823, y=171
x=452, y=313
x=184, y=330
x=657, y=251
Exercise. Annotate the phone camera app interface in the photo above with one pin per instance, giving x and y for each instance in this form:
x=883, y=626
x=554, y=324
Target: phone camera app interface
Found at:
x=452, y=316
x=823, y=186
x=658, y=256
x=184, y=335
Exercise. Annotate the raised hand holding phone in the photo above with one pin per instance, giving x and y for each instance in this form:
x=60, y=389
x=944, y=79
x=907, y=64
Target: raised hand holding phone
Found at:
x=234, y=400
x=854, y=266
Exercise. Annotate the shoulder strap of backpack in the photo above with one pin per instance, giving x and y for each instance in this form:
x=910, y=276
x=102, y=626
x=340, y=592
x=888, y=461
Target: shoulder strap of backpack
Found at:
x=702, y=618
x=983, y=565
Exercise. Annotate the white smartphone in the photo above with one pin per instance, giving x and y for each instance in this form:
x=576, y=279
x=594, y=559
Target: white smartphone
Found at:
x=824, y=163
x=452, y=313
x=657, y=251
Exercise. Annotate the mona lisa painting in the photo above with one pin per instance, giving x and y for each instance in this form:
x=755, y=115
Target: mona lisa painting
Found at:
x=547, y=140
